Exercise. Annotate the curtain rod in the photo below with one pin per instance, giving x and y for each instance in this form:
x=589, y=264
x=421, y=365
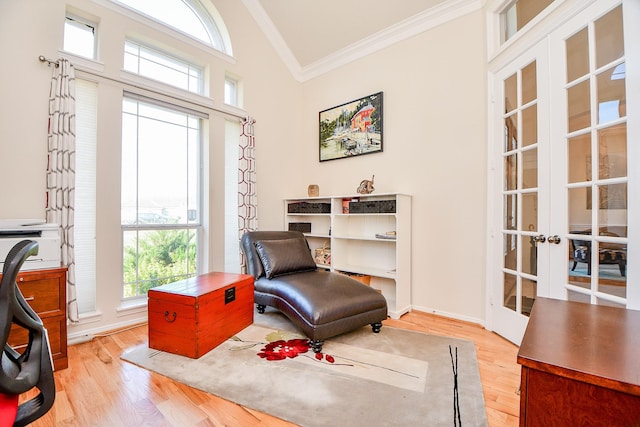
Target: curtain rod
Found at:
x=50, y=62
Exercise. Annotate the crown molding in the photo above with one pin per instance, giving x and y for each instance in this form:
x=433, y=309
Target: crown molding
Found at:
x=403, y=30
x=275, y=38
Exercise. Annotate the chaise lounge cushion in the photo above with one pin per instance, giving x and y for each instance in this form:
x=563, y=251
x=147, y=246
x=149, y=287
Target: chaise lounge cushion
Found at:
x=284, y=256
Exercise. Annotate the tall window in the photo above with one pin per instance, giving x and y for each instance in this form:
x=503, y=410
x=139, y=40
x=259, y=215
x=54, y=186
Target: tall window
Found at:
x=160, y=193
x=162, y=67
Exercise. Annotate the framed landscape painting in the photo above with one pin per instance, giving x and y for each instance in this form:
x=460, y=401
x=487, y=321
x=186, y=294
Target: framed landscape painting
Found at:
x=351, y=129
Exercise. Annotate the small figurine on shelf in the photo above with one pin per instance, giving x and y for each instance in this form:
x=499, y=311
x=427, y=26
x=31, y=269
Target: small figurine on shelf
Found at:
x=366, y=186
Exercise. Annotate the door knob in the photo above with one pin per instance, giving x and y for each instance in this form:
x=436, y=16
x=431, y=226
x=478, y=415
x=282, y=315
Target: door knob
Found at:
x=541, y=238
x=554, y=239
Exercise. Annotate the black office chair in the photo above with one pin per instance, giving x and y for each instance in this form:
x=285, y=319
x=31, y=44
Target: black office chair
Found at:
x=21, y=372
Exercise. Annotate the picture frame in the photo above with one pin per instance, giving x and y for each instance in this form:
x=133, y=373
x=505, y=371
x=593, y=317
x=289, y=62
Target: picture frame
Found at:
x=351, y=129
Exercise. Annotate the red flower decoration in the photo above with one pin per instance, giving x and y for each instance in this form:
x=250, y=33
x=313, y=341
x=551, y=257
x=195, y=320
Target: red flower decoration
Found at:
x=280, y=350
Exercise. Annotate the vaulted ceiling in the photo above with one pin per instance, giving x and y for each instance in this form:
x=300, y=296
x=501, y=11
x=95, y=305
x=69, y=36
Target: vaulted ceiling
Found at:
x=314, y=36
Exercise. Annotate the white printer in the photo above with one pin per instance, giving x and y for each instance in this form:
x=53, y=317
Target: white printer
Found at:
x=47, y=235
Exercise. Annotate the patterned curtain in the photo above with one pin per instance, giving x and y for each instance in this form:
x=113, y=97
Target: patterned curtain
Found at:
x=61, y=163
x=247, y=198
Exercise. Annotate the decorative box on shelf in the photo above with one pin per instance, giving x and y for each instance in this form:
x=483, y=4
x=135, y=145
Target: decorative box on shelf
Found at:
x=373, y=206
x=303, y=227
x=309, y=208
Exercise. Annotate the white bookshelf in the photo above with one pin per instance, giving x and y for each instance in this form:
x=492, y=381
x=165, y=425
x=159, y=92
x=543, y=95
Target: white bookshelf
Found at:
x=354, y=245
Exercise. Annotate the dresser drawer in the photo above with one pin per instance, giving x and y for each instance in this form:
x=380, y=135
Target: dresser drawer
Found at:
x=43, y=294
x=57, y=332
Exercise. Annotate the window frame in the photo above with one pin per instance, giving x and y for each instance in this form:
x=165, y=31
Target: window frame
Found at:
x=196, y=226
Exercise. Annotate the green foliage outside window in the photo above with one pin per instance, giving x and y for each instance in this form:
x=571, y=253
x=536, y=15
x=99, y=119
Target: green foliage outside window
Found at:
x=161, y=257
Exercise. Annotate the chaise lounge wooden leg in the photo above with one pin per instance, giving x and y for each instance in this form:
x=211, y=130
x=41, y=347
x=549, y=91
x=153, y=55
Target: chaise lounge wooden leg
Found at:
x=376, y=327
x=316, y=345
x=261, y=308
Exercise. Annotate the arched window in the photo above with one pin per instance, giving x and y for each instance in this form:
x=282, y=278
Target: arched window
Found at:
x=191, y=17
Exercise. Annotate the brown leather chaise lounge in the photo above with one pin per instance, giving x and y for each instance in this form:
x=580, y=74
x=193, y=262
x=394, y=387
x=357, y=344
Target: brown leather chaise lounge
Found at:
x=322, y=304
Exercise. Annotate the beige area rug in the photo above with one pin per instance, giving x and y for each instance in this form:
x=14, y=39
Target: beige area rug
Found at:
x=394, y=378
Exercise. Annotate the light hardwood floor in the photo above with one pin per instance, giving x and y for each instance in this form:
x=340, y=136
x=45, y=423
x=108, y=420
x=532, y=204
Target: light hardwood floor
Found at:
x=98, y=389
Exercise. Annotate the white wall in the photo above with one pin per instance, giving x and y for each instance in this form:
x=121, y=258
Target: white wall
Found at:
x=434, y=118
x=434, y=149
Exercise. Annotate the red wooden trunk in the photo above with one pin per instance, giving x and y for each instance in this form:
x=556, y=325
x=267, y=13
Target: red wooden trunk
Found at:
x=192, y=316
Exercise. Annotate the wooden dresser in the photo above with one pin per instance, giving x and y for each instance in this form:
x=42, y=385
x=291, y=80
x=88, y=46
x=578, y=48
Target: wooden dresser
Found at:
x=580, y=365
x=46, y=293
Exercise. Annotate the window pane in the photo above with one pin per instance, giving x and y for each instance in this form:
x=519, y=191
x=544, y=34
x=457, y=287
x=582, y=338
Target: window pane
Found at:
x=156, y=257
x=529, y=83
x=612, y=143
x=510, y=93
x=520, y=13
x=577, y=47
x=530, y=168
x=580, y=158
x=612, y=100
x=230, y=92
x=579, y=106
x=530, y=125
x=79, y=38
x=162, y=67
x=187, y=16
x=609, y=38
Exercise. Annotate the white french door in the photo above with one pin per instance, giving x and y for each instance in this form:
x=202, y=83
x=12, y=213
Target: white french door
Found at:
x=522, y=191
x=562, y=141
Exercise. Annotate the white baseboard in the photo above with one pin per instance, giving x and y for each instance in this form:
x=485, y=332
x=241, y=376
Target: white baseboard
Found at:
x=86, y=335
x=477, y=321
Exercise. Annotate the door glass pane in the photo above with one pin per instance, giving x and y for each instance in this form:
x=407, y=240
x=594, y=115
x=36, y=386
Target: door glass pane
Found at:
x=612, y=149
x=529, y=255
x=579, y=158
x=579, y=106
x=530, y=125
x=511, y=133
x=613, y=196
x=530, y=168
x=529, y=83
x=577, y=55
x=612, y=265
x=530, y=211
x=511, y=172
x=579, y=201
x=510, y=251
x=509, y=292
x=510, y=93
x=609, y=37
x=612, y=101
x=510, y=211
x=529, y=292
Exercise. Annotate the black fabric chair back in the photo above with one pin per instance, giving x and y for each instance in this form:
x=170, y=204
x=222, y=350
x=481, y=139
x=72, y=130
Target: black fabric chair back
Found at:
x=21, y=372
